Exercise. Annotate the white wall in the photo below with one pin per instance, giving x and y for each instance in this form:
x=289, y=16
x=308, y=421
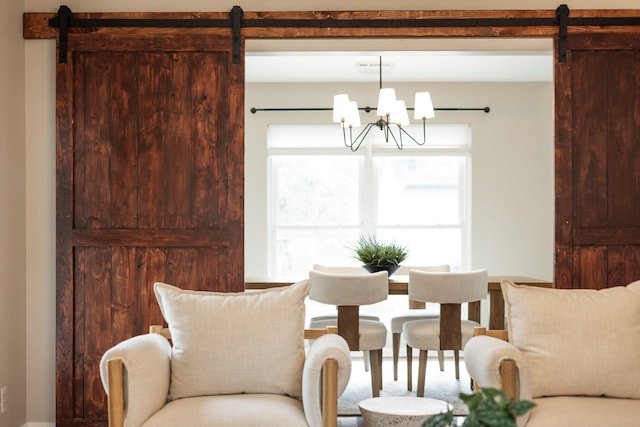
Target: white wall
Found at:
x=512, y=166
x=12, y=216
x=41, y=216
x=40, y=142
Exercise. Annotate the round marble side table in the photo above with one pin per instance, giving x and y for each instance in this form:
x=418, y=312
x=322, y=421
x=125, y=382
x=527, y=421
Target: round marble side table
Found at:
x=398, y=411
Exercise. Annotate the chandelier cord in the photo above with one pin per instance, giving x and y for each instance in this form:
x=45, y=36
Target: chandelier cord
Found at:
x=380, y=71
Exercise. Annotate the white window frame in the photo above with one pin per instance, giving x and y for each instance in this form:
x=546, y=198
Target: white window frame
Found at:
x=368, y=193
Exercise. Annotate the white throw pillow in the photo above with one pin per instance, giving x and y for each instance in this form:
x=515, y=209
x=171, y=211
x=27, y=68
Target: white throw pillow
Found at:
x=228, y=343
x=578, y=341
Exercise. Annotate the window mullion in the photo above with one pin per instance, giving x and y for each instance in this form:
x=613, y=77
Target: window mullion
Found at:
x=368, y=193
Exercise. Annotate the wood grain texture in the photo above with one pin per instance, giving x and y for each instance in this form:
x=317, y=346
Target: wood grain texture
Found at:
x=144, y=194
x=450, y=327
x=35, y=25
x=349, y=325
x=598, y=162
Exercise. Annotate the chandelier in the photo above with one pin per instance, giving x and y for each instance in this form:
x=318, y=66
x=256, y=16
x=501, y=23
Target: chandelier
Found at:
x=392, y=116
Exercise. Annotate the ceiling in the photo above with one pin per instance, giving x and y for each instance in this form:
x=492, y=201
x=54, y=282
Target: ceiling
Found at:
x=472, y=60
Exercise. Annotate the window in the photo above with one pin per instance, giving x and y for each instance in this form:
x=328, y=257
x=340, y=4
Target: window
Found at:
x=323, y=196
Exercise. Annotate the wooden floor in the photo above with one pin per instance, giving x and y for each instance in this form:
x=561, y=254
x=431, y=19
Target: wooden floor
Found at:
x=350, y=422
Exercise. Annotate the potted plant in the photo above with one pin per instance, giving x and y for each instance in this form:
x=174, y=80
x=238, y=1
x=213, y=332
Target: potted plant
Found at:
x=488, y=407
x=377, y=256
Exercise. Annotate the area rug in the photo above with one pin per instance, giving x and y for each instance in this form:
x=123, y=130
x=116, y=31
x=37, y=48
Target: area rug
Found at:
x=439, y=385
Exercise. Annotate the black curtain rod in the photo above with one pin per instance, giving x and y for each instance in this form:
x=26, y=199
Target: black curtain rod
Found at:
x=366, y=109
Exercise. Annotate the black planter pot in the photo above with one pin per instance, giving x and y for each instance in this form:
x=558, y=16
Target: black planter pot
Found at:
x=390, y=269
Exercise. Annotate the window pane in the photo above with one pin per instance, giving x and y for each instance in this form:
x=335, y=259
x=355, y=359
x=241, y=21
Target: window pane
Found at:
x=297, y=250
x=428, y=246
x=305, y=136
x=437, y=135
x=419, y=190
x=331, y=136
x=316, y=190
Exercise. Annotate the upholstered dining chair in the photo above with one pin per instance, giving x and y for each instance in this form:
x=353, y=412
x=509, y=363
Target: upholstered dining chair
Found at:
x=449, y=331
x=348, y=292
x=416, y=311
x=340, y=269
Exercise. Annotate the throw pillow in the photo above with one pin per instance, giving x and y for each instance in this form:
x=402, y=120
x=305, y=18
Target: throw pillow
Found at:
x=578, y=341
x=228, y=343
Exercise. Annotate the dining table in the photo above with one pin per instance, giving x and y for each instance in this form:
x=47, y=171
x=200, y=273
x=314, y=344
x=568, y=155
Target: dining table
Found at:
x=399, y=285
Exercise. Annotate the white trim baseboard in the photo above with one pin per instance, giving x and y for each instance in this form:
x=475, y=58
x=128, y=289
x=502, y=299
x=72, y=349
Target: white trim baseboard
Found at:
x=51, y=424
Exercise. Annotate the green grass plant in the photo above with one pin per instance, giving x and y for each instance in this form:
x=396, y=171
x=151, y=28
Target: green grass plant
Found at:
x=371, y=252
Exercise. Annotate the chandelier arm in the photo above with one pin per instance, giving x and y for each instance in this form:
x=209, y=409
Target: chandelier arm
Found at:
x=398, y=143
x=424, y=133
x=385, y=125
x=344, y=135
x=355, y=143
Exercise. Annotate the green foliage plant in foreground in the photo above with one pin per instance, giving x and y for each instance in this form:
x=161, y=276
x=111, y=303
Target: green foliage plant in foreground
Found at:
x=489, y=407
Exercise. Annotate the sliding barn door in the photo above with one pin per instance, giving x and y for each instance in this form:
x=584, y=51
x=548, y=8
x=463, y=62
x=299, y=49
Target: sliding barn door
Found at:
x=149, y=188
x=597, y=105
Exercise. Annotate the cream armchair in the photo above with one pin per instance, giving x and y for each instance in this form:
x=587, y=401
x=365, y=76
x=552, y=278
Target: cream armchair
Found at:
x=236, y=360
x=574, y=353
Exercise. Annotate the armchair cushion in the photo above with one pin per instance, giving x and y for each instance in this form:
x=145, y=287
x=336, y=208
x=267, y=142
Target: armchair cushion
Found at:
x=581, y=411
x=264, y=410
x=216, y=352
x=577, y=342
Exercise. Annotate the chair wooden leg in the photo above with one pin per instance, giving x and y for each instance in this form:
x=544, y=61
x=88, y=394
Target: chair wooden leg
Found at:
x=441, y=360
x=422, y=372
x=456, y=357
x=376, y=371
x=396, y=354
x=365, y=358
x=380, y=370
x=409, y=367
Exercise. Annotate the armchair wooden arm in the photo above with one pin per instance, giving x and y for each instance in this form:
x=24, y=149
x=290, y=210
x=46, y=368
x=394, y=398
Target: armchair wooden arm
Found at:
x=115, y=398
x=508, y=368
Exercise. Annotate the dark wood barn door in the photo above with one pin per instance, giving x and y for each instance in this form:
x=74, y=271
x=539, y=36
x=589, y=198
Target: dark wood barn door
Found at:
x=597, y=105
x=150, y=173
